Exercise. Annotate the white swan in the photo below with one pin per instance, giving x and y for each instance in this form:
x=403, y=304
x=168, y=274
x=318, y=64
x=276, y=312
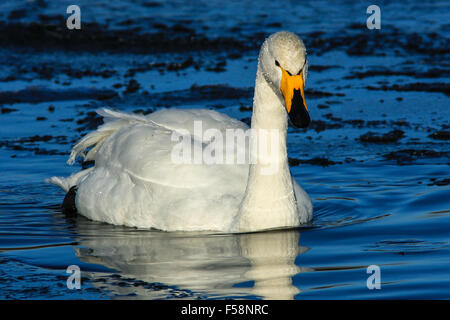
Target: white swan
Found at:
x=135, y=181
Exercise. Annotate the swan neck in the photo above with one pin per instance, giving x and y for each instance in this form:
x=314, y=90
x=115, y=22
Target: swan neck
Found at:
x=269, y=126
x=269, y=201
x=268, y=108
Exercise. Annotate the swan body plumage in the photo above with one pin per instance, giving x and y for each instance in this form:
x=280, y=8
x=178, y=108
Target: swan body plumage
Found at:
x=136, y=182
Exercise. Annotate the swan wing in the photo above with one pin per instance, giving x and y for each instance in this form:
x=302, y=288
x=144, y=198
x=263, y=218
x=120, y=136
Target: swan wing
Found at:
x=151, y=148
x=136, y=181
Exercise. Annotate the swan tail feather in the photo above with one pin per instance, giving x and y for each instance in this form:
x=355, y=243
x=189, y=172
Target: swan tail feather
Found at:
x=60, y=182
x=67, y=183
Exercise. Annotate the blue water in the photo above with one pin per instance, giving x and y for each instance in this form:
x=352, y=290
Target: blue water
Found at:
x=370, y=208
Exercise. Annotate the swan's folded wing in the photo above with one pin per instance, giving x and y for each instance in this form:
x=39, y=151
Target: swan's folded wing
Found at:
x=164, y=149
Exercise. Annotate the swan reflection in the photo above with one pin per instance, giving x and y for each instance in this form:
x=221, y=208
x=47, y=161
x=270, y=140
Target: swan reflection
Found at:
x=219, y=265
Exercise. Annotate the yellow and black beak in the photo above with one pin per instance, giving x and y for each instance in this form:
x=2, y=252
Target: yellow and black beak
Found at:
x=293, y=88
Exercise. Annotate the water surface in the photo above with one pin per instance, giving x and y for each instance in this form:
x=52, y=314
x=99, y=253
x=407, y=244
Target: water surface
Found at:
x=380, y=198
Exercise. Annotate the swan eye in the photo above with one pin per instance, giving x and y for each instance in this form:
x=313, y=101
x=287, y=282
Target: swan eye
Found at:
x=278, y=65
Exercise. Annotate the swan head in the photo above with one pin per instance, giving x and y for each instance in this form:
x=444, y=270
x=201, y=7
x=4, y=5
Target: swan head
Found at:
x=283, y=63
